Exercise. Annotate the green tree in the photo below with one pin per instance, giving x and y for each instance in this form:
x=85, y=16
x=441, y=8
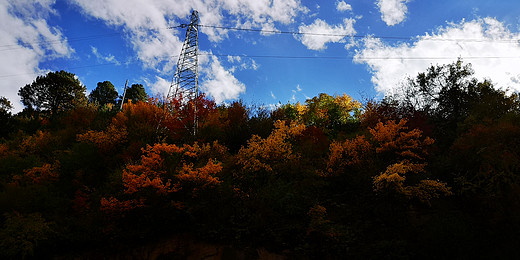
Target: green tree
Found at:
x=104, y=93
x=330, y=111
x=136, y=93
x=54, y=92
x=444, y=94
x=22, y=233
x=5, y=105
x=5, y=117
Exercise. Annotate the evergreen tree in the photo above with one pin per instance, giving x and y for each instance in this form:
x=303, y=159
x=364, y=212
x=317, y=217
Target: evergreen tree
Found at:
x=104, y=93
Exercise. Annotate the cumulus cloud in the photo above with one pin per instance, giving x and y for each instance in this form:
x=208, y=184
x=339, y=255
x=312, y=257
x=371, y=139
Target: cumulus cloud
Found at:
x=316, y=35
x=342, y=6
x=159, y=87
x=215, y=80
x=145, y=23
x=491, y=48
x=219, y=83
x=25, y=44
x=259, y=12
x=392, y=11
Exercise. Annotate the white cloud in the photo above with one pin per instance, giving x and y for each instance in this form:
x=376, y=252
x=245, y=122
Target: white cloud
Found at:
x=254, y=65
x=24, y=44
x=268, y=28
x=491, y=48
x=160, y=87
x=243, y=64
x=392, y=11
x=219, y=83
x=316, y=35
x=102, y=58
x=272, y=95
x=145, y=23
x=234, y=58
x=216, y=81
x=298, y=88
x=273, y=107
x=342, y=6
x=259, y=11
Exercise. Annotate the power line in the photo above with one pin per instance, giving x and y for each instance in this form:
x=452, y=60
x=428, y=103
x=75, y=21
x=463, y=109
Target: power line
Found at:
x=360, y=58
x=98, y=36
x=289, y=57
x=70, y=68
x=355, y=35
x=9, y=47
x=300, y=33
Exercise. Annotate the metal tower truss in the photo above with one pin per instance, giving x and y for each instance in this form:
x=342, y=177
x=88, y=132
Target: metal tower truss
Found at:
x=185, y=81
x=186, y=78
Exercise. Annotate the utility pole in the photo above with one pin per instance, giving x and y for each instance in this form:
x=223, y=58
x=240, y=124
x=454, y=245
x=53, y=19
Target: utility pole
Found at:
x=124, y=93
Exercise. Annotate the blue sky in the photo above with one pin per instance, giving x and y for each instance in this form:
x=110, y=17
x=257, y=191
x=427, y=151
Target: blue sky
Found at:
x=370, y=47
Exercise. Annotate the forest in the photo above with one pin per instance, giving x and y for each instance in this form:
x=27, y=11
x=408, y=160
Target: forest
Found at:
x=432, y=172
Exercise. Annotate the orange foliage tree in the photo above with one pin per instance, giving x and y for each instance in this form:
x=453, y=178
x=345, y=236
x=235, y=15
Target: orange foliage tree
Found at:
x=47, y=173
x=354, y=152
x=166, y=170
x=38, y=143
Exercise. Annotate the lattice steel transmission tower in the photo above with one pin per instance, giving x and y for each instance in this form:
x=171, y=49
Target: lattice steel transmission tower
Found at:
x=185, y=81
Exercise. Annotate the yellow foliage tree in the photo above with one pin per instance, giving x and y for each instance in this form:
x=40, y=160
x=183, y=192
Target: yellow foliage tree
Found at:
x=410, y=150
x=262, y=154
x=392, y=180
x=106, y=140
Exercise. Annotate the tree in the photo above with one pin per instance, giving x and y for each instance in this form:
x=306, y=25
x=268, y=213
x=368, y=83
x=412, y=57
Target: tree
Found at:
x=5, y=105
x=5, y=117
x=164, y=171
x=330, y=111
x=406, y=151
x=135, y=93
x=55, y=92
x=21, y=234
x=104, y=93
x=272, y=153
x=444, y=93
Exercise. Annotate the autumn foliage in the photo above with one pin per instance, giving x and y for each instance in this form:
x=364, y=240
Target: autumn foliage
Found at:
x=262, y=154
x=432, y=175
x=166, y=169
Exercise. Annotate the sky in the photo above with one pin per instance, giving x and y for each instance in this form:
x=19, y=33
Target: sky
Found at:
x=263, y=52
